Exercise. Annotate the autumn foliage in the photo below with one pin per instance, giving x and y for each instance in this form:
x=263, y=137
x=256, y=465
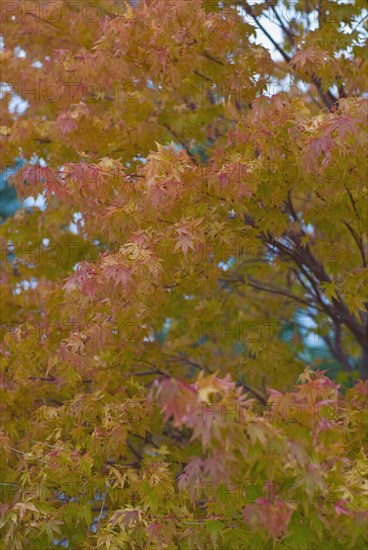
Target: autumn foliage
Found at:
x=198, y=230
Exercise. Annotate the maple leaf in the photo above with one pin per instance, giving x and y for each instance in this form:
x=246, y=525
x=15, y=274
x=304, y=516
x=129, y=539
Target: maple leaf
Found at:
x=126, y=518
x=306, y=375
x=156, y=533
x=68, y=121
x=177, y=400
x=308, y=57
x=342, y=124
x=273, y=516
x=191, y=478
x=118, y=274
x=84, y=279
x=215, y=467
x=320, y=146
x=186, y=237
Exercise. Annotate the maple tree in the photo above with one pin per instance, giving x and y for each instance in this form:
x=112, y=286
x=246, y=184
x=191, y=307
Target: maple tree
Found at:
x=203, y=222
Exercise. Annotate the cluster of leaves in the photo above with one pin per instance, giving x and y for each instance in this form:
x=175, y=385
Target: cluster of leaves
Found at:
x=216, y=470
x=189, y=215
